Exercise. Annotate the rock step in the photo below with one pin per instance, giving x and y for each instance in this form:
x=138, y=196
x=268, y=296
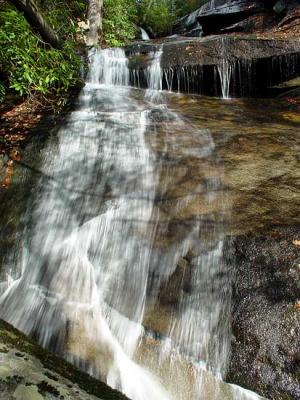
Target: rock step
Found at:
x=198, y=65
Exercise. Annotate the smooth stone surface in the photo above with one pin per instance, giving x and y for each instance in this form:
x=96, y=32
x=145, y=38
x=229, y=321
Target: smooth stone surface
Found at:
x=28, y=372
x=182, y=379
x=23, y=392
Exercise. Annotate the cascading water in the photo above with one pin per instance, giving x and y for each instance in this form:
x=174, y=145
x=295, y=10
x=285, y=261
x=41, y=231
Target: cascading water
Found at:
x=144, y=35
x=84, y=250
x=224, y=70
x=109, y=68
x=107, y=236
x=154, y=76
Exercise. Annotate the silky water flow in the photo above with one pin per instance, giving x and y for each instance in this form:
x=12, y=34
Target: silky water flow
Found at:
x=101, y=249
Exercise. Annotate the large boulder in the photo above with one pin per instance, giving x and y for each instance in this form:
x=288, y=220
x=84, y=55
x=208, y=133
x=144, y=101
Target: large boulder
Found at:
x=216, y=14
x=266, y=313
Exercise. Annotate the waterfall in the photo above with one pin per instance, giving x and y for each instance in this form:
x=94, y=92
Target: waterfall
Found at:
x=104, y=242
x=224, y=68
x=77, y=263
x=144, y=35
x=225, y=71
x=109, y=67
x=154, y=75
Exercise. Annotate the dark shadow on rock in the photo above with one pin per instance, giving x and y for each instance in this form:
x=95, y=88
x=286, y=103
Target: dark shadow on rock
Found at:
x=266, y=321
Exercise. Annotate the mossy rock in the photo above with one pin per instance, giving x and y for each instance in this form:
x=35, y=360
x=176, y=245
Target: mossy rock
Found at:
x=27, y=371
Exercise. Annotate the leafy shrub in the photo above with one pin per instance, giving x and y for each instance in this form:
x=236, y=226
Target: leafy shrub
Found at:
x=157, y=15
x=119, y=17
x=28, y=64
x=62, y=15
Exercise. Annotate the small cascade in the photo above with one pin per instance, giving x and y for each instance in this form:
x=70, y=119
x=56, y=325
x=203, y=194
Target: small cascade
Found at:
x=224, y=68
x=203, y=310
x=154, y=76
x=183, y=79
x=110, y=67
x=225, y=72
x=169, y=78
x=144, y=34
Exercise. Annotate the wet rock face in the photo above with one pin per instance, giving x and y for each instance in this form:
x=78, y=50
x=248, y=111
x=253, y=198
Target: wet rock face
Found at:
x=197, y=65
x=266, y=315
x=217, y=14
x=179, y=280
x=28, y=372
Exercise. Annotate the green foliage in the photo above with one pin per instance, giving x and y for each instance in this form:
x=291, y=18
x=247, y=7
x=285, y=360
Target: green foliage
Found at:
x=29, y=65
x=160, y=15
x=184, y=7
x=157, y=15
x=119, y=19
x=62, y=15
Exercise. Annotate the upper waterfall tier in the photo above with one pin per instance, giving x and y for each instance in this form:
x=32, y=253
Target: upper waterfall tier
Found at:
x=193, y=65
x=109, y=67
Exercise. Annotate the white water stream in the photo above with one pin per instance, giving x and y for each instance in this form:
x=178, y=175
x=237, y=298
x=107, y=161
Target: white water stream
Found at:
x=144, y=35
x=224, y=69
x=91, y=267
x=225, y=72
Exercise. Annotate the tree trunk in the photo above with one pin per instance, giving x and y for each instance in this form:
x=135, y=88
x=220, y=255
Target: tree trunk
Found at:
x=95, y=22
x=37, y=21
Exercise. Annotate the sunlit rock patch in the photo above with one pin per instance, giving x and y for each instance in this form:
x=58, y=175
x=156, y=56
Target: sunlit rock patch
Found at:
x=28, y=372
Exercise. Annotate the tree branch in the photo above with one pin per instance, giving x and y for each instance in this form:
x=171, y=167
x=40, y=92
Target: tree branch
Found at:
x=37, y=21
